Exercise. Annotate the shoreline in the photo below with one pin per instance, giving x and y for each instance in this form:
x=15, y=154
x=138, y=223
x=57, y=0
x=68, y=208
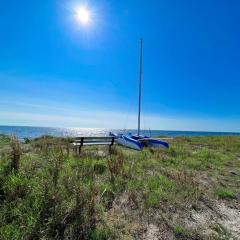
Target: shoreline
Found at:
x=33, y=132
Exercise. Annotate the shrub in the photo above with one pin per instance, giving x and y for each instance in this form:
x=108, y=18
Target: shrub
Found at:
x=4, y=140
x=181, y=232
x=27, y=140
x=153, y=199
x=102, y=233
x=16, y=154
x=224, y=193
x=15, y=186
x=99, y=168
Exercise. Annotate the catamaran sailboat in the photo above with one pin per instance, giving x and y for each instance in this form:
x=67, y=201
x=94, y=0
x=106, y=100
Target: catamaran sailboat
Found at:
x=137, y=142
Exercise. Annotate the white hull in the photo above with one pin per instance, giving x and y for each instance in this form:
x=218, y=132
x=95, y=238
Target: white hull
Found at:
x=156, y=145
x=130, y=143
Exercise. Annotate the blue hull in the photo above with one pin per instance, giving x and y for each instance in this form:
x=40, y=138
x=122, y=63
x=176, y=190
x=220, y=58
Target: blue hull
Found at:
x=157, y=143
x=127, y=141
x=138, y=142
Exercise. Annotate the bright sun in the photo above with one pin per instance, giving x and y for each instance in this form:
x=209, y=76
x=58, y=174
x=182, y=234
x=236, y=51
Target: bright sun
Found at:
x=83, y=15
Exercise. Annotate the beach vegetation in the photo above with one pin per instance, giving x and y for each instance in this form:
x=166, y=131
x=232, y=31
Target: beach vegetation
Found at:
x=224, y=193
x=47, y=191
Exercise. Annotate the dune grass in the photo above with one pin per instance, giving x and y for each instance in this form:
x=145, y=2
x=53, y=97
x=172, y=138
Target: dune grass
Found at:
x=47, y=192
x=4, y=140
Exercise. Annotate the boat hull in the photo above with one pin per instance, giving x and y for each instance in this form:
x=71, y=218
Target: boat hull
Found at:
x=127, y=141
x=157, y=144
x=138, y=142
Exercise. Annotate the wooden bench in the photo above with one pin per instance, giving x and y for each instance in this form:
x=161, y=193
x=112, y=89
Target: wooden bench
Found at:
x=78, y=142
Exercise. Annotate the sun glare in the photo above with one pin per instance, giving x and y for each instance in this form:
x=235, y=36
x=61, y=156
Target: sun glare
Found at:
x=83, y=15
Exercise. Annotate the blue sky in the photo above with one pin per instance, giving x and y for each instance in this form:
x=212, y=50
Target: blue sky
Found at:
x=55, y=72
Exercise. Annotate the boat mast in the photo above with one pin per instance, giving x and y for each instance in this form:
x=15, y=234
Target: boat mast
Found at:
x=140, y=88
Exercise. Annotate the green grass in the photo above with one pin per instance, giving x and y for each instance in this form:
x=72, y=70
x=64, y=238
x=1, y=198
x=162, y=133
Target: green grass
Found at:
x=46, y=192
x=180, y=231
x=224, y=193
x=4, y=140
x=102, y=233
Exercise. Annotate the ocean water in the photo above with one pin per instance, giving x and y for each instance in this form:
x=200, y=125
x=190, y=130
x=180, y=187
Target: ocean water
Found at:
x=33, y=132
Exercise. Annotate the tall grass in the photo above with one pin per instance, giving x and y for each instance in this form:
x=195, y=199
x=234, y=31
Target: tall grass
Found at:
x=48, y=192
x=16, y=154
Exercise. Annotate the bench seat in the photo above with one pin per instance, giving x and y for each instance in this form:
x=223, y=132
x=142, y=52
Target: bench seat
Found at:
x=91, y=143
x=79, y=142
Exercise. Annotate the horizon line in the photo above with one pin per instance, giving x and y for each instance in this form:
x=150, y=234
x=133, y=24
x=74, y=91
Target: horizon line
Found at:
x=201, y=131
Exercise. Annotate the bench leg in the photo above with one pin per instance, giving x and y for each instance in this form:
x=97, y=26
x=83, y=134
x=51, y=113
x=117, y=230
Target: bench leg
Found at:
x=79, y=150
x=110, y=149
